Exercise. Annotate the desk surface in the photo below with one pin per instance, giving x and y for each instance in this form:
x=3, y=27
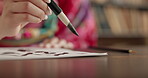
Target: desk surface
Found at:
x=116, y=65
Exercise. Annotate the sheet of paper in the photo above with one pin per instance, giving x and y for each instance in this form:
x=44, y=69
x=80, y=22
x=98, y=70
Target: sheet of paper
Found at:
x=20, y=53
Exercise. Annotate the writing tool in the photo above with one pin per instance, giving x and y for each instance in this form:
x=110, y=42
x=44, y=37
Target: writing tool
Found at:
x=113, y=49
x=58, y=11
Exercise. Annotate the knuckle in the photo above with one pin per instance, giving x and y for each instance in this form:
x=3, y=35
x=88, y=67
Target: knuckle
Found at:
x=31, y=19
x=27, y=17
x=27, y=5
x=41, y=15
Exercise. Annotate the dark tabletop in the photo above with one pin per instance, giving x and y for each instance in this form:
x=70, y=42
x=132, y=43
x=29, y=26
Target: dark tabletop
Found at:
x=115, y=65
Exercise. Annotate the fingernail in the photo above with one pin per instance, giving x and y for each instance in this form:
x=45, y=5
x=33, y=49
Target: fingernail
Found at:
x=48, y=1
x=46, y=17
x=38, y=21
x=50, y=11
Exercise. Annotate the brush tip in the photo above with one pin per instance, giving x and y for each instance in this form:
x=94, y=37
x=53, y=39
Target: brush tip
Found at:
x=71, y=27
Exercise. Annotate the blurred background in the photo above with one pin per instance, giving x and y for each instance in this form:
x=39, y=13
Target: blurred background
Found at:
x=121, y=21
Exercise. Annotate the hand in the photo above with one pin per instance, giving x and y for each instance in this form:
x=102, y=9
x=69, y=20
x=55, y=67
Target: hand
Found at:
x=56, y=43
x=17, y=13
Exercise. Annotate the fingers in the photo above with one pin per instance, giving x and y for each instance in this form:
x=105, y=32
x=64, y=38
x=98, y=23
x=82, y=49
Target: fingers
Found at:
x=40, y=4
x=27, y=18
x=28, y=7
x=36, y=8
x=48, y=1
x=20, y=12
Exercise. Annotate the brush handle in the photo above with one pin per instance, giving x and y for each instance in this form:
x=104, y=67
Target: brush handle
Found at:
x=54, y=7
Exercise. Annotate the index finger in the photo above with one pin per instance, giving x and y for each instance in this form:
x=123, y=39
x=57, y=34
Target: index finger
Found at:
x=39, y=3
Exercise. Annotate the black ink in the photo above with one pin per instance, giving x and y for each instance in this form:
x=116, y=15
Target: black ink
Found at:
x=27, y=54
x=57, y=54
x=61, y=54
x=65, y=53
x=23, y=50
x=45, y=52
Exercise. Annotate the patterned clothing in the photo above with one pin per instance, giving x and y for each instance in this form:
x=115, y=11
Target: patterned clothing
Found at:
x=79, y=13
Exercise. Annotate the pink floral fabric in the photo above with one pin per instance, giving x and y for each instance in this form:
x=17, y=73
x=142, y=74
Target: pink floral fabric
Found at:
x=80, y=14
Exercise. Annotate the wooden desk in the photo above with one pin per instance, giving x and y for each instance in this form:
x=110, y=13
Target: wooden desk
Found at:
x=116, y=65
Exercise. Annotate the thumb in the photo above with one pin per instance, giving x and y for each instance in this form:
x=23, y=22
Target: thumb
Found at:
x=22, y=25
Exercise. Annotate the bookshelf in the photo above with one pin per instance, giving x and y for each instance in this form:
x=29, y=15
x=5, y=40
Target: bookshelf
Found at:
x=122, y=19
x=122, y=4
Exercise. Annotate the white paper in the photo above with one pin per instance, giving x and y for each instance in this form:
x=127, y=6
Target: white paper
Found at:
x=44, y=53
